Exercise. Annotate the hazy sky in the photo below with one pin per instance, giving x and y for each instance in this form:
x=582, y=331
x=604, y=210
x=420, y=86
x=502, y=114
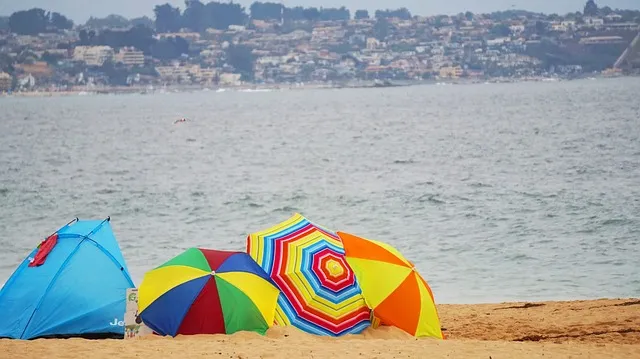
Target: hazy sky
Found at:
x=80, y=10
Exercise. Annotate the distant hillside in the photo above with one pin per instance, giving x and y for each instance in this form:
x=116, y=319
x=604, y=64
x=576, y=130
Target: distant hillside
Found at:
x=4, y=23
x=591, y=56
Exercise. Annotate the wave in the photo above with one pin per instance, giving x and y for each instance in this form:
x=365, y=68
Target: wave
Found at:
x=255, y=90
x=403, y=162
x=432, y=198
x=286, y=209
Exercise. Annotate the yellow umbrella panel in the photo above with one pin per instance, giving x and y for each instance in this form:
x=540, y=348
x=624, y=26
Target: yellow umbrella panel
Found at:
x=392, y=287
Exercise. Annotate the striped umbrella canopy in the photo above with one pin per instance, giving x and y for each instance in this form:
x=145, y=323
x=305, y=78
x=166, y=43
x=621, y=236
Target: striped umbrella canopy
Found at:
x=203, y=291
x=319, y=292
x=392, y=287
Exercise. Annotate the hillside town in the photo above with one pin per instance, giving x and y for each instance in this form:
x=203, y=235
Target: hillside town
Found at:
x=224, y=45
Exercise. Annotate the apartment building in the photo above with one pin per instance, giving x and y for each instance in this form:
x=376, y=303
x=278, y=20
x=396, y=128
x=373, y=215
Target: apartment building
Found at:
x=5, y=82
x=93, y=55
x=129, y=56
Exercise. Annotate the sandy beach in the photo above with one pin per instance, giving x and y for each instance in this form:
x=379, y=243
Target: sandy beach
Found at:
x=607, y=328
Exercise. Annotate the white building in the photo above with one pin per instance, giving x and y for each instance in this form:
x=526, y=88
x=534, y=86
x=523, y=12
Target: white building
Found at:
x=129, y=56
x=173, y=73
x=498, y=41
x=230, y=79
x=270, y=60
x=192, y=73
x=26, y=82
x=93, y=55
x=5, y=82
x=373, y=43
x=594, y=21
x=517, y=29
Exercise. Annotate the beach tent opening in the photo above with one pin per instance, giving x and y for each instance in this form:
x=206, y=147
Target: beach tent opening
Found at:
x=72, y=285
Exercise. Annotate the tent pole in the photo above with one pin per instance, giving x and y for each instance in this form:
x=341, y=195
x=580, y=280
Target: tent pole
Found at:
x=73, y=220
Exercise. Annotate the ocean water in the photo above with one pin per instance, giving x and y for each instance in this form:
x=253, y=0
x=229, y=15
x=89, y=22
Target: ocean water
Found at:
x=497, y=192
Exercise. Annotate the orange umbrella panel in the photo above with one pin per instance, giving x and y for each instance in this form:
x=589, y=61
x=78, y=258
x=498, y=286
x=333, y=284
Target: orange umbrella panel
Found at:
x=392, y=287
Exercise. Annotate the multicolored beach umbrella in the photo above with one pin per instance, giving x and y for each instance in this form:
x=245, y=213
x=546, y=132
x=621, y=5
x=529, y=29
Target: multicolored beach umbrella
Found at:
x=204, y=291
x=319, y=292
x=392, y=287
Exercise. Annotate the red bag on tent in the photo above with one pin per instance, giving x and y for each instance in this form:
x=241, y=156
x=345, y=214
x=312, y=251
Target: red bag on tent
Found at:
x=43, y=250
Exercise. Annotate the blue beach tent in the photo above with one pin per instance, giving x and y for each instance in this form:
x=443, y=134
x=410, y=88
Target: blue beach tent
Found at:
x=73, y=284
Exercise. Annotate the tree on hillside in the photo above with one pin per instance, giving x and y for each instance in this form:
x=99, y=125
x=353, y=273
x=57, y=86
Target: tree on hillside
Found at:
x=266, y=10
x=60, y=22
x=140, y=37
x=590, y=8
x=512, y=14
x=195, y=16
x=6, y=63
x=311, y=14
x=333, y=14
x=36, y=21
x=294, y=13
x=168, y=18
x=605, y=11
x=381, y=29
x=401, y=13
x=110, y=21
x=629, y=15
x=198, y=17
x=116, y=73
x=4, y=23
x=29, y=22
x=542, y=28
x=144, y=21
x=224, y=14
x=500, y=30
x=573, y=15
x=51, y=59
x=361, y=14
x=241, y=59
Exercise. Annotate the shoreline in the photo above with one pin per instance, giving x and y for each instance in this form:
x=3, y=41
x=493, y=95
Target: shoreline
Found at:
x=599, y=328
x=151, y=90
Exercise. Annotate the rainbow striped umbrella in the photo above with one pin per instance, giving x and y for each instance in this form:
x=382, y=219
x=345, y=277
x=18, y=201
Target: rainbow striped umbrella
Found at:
x=319, y=291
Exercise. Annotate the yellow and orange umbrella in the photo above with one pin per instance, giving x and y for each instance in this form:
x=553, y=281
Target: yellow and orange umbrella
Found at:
x=392, y=287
